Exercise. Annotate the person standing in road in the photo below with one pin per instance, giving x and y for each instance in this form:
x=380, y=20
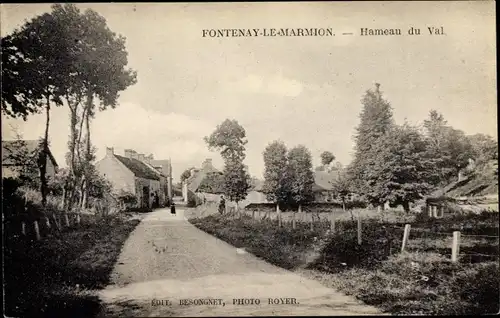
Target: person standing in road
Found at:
x=222, y=205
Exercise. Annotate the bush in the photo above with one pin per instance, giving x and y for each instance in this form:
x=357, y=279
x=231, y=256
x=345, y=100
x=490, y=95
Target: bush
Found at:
x=193, y=200
x=279, y=246
x=342, y=250
x=12, y=199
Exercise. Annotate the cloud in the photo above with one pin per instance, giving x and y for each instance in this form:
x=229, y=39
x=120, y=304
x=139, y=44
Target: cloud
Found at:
x=170, y=135
x=164, y=135
x=277, y=85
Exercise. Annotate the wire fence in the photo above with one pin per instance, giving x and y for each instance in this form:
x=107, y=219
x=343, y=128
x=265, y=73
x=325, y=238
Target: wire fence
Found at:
x=463, y=248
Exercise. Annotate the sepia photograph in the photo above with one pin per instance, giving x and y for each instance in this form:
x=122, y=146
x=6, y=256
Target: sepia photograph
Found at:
x=226, y=159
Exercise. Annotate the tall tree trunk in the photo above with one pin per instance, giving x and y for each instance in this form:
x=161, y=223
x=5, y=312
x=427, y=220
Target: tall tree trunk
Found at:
x=45, y=154
x=85, y=188
x=72, y=155
x=90, y=100
x=84, y=193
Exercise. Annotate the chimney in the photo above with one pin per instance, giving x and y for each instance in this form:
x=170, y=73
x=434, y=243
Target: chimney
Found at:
x=110, y=151
x=141, y=157
x=128, y=153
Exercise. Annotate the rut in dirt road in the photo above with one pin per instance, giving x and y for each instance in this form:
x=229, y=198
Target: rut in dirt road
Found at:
x=167, y=265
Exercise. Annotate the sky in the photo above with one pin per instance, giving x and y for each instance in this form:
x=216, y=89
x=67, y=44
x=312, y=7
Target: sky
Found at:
x=301, y=90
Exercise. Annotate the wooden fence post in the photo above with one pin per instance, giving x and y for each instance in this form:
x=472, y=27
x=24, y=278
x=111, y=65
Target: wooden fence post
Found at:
x=66, y=219
x=455, y=248
x=47, y=222
x=278, y=212
x=253, y=214
x=406, y=234
x=294, y=222
x=37, y=230
x=359, y=228
x=23, y=228
x=77, y=218
x=332, y=222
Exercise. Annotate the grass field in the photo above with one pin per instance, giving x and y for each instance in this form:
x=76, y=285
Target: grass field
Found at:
x=421, y=281
x=56, y=276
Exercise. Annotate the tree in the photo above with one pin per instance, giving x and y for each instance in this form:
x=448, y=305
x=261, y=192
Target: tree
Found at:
x=276, y=184
x=66, y=55
x=236, y=180
x=230, y=139
x=29, y=84
x=404, y=170
x=186, y=174
x=341, y=187
x=450, y=147
x=484, y=147
x=376, y=122
x=300, y=175
x=326, y=158
x=213, y=183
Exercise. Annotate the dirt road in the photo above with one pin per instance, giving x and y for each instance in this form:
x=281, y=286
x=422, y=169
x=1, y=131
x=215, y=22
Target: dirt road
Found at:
x=167, y=263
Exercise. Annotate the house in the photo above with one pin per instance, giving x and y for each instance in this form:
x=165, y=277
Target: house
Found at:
x=474, y=193
x=165, y=168
x=323, y=185
x=14, y=154
x=255, y=194
x=206, y=176
x=135, y=174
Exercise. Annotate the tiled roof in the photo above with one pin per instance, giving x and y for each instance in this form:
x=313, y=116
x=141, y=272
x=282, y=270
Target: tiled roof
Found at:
x=164, y=164
x=139, y=168
x=11, y=147
x=256, y=185
x=323, y=180
x=194, y=181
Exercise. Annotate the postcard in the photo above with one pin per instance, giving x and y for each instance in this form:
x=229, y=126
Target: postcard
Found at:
x=250, y=159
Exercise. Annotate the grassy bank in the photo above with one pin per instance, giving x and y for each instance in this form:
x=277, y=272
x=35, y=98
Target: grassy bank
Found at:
x=417, y=282
x=56, y=276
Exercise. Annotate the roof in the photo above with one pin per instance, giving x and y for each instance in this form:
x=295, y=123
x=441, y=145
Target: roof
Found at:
x=139, y=168
x=323, y=180
x=483, y=181
x=194, y=181
x=165, y=164
x=11, y=147
x=257, y=185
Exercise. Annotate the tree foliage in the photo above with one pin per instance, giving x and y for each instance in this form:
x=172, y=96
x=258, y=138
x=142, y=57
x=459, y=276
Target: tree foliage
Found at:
x=450, y=147
x=341, y=186
x=236, y=180
x=69, y=56
x=404, y=169
x=376, y=122
x=276, y=185
x=230, y=139
x=484, y=147
x=300, y=175
x=326, y=158
x=213, y=183
x=186, y=174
